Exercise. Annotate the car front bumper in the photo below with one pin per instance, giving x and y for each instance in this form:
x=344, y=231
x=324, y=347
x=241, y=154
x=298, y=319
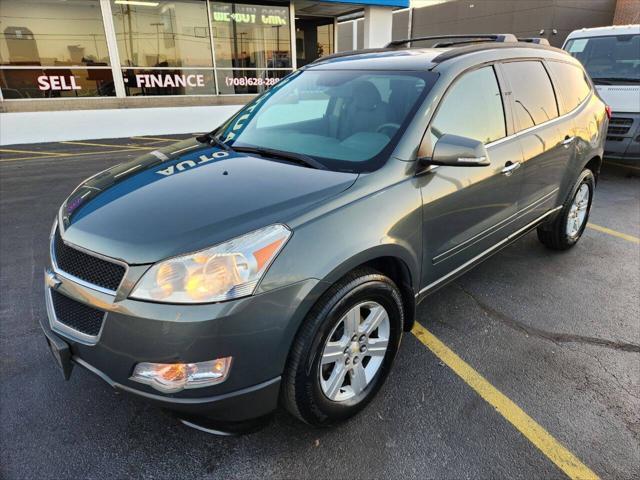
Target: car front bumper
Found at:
x=256, y=331
x=623, y=138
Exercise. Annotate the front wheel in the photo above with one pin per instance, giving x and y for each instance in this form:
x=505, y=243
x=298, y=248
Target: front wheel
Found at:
x=344, y=350
x=567, y=228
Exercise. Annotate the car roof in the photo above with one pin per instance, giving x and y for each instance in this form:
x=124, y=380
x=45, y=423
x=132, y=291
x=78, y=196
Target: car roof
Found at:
x=393, y=58
x=604, y=31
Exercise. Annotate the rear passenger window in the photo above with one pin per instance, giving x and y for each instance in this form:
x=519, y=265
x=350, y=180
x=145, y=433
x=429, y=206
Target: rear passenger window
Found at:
x=472, y=108
x=533, y=98
x=572, y=84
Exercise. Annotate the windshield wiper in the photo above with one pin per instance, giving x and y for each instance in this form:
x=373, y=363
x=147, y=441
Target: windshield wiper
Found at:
x=298, y=158
x=612, y=80
x=211, y=138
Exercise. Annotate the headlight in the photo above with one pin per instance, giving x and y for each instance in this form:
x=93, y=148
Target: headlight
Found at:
x=229, y=270
x=173, y=377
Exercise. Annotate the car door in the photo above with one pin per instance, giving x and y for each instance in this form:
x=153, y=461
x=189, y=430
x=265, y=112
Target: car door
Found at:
x=467, y=210
x=547, y=141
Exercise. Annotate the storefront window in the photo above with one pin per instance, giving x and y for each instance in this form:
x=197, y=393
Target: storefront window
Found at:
x=314, y=38
x=56, y=83
x=251, y=36
x=52, y=33
x=58, y=48
x=247, y=81
x=162, y=33
x=169, y=82
x=46, y=45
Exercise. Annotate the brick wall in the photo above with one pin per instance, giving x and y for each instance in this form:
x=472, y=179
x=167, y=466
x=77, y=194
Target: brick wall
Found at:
x=627, y=12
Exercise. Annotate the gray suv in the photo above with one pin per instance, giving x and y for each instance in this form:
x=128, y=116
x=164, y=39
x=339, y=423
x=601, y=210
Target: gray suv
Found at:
x=280, y=258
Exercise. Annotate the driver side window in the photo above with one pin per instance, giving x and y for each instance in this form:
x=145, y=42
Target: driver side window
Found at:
x=472, y=108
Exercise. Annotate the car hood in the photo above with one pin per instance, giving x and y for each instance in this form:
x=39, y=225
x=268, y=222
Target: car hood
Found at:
x=621, y=98
x=186, y=197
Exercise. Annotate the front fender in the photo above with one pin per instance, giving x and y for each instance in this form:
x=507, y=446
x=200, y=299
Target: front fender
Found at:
x=386, y=223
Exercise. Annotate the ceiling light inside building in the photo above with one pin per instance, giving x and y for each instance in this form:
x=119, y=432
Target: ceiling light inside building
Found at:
x=141, y=3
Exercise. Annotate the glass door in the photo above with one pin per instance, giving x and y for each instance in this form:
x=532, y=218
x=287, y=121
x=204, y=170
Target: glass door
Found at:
x=314, y=38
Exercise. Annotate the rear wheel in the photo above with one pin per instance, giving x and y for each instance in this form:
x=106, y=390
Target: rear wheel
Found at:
x=567, y=228
x=344, y=350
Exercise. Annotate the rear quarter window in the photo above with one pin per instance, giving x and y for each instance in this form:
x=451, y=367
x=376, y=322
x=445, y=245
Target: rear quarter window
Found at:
x=534, y=100
x=571, y=83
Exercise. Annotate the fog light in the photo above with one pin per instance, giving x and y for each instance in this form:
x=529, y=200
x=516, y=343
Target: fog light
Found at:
x=173, y=377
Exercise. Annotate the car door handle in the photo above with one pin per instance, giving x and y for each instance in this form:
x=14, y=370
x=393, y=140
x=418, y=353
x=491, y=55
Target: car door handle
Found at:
x=567, y=140
x=510, y=167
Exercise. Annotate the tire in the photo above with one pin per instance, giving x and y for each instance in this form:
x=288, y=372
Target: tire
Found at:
x=564, y=232
x=310, y=390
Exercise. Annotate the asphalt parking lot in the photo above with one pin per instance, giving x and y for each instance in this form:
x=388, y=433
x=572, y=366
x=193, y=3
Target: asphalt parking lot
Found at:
x=526, y=367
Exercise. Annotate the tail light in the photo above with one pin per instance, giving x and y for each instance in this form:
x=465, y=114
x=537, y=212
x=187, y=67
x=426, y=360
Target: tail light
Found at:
x=607, y=109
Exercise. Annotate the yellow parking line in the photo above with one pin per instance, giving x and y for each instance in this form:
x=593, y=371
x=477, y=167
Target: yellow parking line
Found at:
x=110, y=151
x=10, y=150
x=624, y=236
x=157, y=138
x=28, y=158
x=101, y=145
x=68, y=155
x=549, y=446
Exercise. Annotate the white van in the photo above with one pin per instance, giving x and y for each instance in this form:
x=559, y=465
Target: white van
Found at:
x=611, y=55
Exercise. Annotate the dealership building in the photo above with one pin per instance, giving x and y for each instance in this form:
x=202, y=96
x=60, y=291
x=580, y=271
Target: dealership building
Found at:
x=80, y=69
x=92, y=68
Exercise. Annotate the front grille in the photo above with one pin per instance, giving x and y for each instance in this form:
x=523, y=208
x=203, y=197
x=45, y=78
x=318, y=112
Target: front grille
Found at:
x=77, y=315
x=619, y=126
x=86, y=267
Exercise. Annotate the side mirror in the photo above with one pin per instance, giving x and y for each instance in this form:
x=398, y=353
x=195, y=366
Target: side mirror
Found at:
x=455, y=151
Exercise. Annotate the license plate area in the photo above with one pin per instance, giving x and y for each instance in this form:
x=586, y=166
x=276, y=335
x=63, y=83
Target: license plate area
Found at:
x=61, y=355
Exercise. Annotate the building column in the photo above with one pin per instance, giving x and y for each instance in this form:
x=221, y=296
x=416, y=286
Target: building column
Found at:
x=377, y=26
x=292, y=30
x=112, y=47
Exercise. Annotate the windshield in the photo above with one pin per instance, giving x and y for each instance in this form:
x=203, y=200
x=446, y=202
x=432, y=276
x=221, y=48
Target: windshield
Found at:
x=346, y=120
x=609, y=60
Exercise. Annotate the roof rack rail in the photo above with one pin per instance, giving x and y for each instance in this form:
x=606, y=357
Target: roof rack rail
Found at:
x=536, y=40
x=479, y=47
x=481, y=37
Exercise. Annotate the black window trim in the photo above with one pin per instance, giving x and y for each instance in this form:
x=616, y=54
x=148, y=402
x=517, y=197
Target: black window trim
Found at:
x=553, y=89
x=556, y=81
x=512, y=133
x=548, y=122
x=425, y=143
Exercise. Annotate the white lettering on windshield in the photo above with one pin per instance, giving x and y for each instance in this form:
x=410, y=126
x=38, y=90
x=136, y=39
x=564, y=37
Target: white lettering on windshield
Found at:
x=187, y=164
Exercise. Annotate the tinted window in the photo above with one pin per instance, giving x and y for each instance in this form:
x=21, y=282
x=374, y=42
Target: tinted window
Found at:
x=533, y=98
x=571, y=83
x=251, y=36
x=162, y=34
x=472, y=108
x=611, y=59
x=52, y=33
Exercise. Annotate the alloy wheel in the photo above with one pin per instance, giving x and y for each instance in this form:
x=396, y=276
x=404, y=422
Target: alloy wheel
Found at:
x=578, y=211
x=354, y=351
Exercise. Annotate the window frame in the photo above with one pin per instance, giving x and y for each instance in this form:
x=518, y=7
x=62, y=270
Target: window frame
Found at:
x=509, y=92
x=381, y=158
x=426, y=148
x=275, y=3
x=557, y=81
